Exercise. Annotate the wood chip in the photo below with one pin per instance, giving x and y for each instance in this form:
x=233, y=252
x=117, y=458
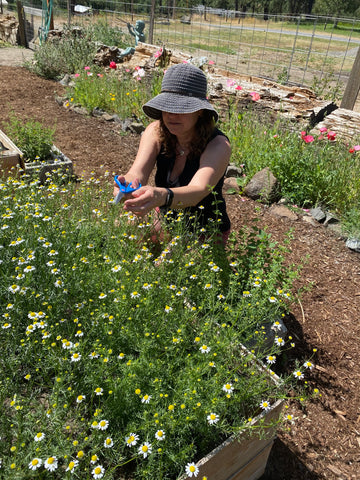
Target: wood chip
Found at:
x=340, y=412
x=334, y=470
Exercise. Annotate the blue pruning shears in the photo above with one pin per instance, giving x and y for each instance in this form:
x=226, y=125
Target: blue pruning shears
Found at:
x=123, y=189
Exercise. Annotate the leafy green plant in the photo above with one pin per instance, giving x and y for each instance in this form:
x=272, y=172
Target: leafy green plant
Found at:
x=122, y=91
x=311, y=169
x=33, y=138
x=73, y=50
x=121, y=360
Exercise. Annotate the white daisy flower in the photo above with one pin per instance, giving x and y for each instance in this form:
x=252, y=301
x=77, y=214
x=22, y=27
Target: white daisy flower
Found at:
x=108, y=442
x=270, y=359
x=51, y=464
x=103, y=425
x=35, y=463
x=98, y=471
x=298, y=374
x=75, y=357
x=308, y=365
x=212, y=418
x=265, y=405
x=204, y=349
x=145, y=449
x=160, y=435
x=146, y=399
x=72, y=465
x=39, y=436
x=132, y=439
x=228, y=388
x=191, y=470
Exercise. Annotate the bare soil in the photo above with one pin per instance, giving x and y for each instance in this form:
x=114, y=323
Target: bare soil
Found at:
x=324, y=441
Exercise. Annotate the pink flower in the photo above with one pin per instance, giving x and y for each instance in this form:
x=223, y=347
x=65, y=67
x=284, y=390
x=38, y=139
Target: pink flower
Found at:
x=308, y=138
x=211, y=62
x=230, y=83
x=77, y=75
x=238, y=87
x=86, y=68
x=303, y=133
x=357, y=148
x=255, y=96
x=323, y=129
x=113, y=65
x=331, y=136
x=158, y=53
x=100, y=75
x=127, y=70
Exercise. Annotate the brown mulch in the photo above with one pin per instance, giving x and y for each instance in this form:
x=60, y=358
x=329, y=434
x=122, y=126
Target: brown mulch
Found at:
x=324, y=442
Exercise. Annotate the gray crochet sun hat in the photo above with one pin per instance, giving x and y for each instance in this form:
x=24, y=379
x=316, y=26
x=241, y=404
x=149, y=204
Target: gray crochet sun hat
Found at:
x=183, y=90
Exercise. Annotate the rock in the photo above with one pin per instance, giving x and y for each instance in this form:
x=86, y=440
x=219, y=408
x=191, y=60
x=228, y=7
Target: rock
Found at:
x=263, y=186
x=66, y=80
x=330, y=219
x=233, y=171
x=97, y=112
x=311, y=221
x=318, y=214
x=108, y=117
x=353, y=244
x=283, y=212
x=231, y=186
x=136, y=127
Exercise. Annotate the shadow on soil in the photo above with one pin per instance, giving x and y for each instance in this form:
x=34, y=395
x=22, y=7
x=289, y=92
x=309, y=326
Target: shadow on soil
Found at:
x=283, y=464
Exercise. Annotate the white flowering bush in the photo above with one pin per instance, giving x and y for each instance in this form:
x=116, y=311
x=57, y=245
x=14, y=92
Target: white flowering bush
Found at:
x=123, y=361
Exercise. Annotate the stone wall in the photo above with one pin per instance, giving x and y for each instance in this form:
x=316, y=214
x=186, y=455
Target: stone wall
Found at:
x=9, y=27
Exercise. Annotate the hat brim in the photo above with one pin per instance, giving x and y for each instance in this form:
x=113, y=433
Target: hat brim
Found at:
x=176, y=103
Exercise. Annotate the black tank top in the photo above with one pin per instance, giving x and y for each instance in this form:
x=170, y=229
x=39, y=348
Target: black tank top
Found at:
x=212, y=208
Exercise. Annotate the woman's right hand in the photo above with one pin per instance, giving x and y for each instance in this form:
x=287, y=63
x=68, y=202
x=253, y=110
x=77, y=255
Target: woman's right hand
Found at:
x=122, y=180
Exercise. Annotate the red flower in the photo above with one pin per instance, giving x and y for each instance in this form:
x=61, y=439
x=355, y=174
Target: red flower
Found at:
x=331, y=136
x=351, y=150
x=112, y=65
x=308, y=138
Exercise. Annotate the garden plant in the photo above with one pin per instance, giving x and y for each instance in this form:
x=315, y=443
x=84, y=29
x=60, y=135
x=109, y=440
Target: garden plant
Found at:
x=125, y=359
x=122, y=359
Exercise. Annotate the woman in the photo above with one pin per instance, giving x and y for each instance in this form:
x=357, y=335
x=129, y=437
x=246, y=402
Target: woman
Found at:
x=190, y=154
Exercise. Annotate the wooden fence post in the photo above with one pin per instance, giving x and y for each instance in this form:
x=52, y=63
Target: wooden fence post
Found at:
x=353, y=85
x=21, y=19
x=152, y=20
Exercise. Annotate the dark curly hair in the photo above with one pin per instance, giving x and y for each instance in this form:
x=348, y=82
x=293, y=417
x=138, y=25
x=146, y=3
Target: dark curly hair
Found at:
x=204, y=127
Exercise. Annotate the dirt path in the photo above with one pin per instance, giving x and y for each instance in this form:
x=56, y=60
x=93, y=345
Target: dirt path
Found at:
x=14, y=56
x=324, y=441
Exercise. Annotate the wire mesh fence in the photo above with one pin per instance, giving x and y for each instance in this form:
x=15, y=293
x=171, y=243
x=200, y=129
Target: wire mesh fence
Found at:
x=304, y=50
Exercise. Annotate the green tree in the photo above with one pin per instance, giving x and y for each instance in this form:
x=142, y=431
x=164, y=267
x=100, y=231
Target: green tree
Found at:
x=336, y=8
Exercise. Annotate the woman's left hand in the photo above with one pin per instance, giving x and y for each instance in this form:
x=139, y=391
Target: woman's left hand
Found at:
x=145, y=199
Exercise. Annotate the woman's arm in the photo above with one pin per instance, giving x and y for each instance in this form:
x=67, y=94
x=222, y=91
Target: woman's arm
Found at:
x=213, y=163
x=145, y=159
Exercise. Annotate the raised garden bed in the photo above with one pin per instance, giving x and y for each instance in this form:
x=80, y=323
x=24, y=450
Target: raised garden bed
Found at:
x=11, y=161
x=58, y=165
x=245, y=457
